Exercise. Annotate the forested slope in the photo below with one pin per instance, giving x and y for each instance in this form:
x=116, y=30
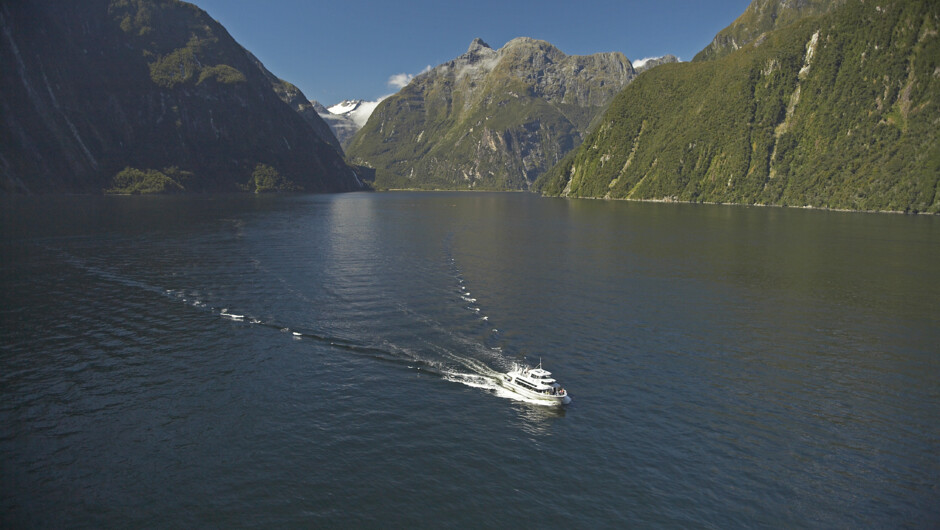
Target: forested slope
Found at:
x=840, y=110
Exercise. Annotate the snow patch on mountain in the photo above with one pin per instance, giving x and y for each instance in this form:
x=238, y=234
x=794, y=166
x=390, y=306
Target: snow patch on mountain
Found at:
x=356, y=110
x=345, y=106
x=348, y=116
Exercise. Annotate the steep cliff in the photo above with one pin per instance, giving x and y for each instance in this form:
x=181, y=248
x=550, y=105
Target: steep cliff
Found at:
x=90, y=88
x=490, y=119
x=840, y=110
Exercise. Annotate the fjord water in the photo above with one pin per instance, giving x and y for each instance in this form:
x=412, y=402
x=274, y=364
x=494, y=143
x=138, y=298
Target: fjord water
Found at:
x=323, y=361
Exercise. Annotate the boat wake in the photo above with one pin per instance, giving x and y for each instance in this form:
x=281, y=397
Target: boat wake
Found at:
x=452, y=355
x=479, y=374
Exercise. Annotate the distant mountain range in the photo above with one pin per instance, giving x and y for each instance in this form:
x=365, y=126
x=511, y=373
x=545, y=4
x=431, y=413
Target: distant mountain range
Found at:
x=149, y=96
x=798, y=103
x=347, y=117
x=489, y=119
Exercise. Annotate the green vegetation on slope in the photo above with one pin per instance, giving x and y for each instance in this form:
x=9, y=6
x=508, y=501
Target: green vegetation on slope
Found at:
x=133, y=181
x=836, y=111
x=266, y=179
x=760, y=17
x=157, y=26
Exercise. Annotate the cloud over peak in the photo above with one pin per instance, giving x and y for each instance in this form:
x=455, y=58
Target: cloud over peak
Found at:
x=399, y=81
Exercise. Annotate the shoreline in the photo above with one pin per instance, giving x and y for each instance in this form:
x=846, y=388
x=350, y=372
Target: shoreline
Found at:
x=668, y=201
x=819, y=208
x=14, y=196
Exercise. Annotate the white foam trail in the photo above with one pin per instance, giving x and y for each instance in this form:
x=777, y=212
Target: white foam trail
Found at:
x=226, y=314
x=471, y=380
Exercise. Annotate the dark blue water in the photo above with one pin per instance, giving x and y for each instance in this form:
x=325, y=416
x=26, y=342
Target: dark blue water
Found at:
x=327, y=361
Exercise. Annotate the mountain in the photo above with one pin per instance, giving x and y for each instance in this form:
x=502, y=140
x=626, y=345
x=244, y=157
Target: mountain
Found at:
x=342, y=127
x=645, y=64
x=356, y=110
x=760, y=17
x=347, y=117
x=840, y=110
x=489, y=119
x=145, y=95
x=307, y=109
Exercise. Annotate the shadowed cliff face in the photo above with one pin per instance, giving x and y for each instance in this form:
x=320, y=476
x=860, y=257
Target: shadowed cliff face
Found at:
x=307, y=109
x=489, y=119
x=89, y=88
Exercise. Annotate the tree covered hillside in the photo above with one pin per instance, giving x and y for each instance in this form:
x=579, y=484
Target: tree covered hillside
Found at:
x=760, y=17
x=840, y=110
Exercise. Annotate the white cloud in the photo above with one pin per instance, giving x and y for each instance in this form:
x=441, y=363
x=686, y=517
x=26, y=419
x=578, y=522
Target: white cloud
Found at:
x=362, y=113
x=399, y=81
x=640, y=62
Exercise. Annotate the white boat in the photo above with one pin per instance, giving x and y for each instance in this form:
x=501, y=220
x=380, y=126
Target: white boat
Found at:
x=535, y=384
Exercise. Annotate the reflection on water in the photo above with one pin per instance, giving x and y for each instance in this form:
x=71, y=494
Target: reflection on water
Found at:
x=537, y=420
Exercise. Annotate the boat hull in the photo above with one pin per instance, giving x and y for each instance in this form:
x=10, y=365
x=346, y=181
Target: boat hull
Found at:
x=541, y=398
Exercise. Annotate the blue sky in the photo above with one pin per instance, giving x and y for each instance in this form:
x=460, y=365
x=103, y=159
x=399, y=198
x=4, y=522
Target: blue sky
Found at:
x=350, y=49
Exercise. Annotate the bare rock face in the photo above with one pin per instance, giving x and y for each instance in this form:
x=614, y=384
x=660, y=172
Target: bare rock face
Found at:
x=489, y=119
x=91, y=88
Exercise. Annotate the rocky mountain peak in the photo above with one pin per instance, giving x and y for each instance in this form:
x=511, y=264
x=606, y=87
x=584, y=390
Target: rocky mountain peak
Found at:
x=527, y=46
x=477, y=45
x=478, y=52
x=492, y=119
